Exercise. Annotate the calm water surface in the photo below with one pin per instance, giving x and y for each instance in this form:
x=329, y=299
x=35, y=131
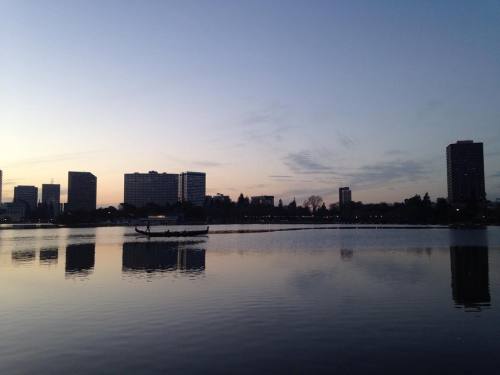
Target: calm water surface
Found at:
x=319, y=301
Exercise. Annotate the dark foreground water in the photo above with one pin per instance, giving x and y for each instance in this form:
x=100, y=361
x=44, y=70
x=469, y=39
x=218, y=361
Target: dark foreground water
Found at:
x=320, y=301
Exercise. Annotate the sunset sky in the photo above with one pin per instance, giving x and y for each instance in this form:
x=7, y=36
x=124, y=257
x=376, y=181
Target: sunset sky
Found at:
x=289, y=98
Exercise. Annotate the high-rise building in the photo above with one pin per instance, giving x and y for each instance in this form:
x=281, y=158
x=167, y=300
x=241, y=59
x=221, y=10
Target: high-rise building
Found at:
x=51, y=198
x=465, y=164
x=153, y=187
x=28, y=195
x=1, y=186
x=192, y=187
x=82, y=191
x=344, y=196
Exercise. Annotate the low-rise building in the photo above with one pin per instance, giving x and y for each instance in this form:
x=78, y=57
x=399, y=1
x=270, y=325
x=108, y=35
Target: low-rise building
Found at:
x=262, y=200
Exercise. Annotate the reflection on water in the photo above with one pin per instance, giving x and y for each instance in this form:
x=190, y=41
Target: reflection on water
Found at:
x=157, y=257
x=346, y=254
x=470, y=276
x=80, y=259
x=49, y=255
x=20, y=257
x=309, y=302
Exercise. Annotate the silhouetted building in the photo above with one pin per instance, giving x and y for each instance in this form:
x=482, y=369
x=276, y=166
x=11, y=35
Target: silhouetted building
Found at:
x=262, y=200
x=344, y=196
x=51, y=198
x=15, y=212
x=80, y=259
x=192, y=187
x=27, y=195
x=218, y=198
x=465, y=167
x=82, y=191
x=153, y=187
x=470, y=276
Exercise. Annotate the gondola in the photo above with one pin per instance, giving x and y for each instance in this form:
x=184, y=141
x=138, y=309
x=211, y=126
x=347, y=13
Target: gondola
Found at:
x=167, y=233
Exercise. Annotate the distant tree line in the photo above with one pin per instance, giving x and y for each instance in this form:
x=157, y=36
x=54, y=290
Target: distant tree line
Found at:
x=414, y=210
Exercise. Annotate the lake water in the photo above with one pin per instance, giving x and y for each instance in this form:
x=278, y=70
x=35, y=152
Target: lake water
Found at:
x=361, y=301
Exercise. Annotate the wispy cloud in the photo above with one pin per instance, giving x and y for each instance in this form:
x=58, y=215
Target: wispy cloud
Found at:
x=302, y=162
x=273, y=113
x=345, y=140
x=388, y=171
x=395, y=152
x=12, y=181
x=280, y=177
x=195, y=163
x=53, y=158
x=429, y=109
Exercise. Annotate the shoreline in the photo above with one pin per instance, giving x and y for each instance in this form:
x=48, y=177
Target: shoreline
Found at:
x=290, y=227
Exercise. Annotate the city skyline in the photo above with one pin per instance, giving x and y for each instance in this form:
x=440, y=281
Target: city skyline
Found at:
x=267, y=99
x=465, y=182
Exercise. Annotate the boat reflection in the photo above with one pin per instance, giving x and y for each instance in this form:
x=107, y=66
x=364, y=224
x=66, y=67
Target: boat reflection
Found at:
x=161, y=257
x=23, y=257
x=49, y=256
x=470, y=277
x=80, y=260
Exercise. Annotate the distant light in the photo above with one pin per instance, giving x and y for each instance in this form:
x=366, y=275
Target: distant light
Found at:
x=458, y=209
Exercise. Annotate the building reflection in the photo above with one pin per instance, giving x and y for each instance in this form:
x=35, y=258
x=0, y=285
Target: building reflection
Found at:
x=470, y=276
x=22, y=257
x=80, y=260
x=49, y=256
x=158, y=257
x=346, y=254
x=192, y=260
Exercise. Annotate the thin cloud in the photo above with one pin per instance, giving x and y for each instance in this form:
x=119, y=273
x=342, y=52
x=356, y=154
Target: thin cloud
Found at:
x=54, y=158
x=395, y=152
x=195, y=163
x=271, y=114
x=303, y=162
x=345, y=140
x=389, y=171
x=12, y=181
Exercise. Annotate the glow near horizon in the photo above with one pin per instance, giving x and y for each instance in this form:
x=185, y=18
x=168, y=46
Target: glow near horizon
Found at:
x=289, y=99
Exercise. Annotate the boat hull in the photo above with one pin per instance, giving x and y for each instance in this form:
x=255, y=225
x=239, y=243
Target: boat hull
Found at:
x=186, y=233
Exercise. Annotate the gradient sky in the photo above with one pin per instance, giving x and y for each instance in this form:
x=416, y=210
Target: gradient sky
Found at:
x=289, y=98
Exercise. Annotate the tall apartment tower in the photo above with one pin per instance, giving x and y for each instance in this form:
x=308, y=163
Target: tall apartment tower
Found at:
x=153, y=187
x=27, y=195
x=82, y=191
x=51, y=198
x=192, y=187
x=344, y=196
x=465, y=167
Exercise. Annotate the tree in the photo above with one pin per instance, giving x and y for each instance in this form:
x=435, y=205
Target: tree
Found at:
x=243, y=201
x=313, y=202
x=280, y=204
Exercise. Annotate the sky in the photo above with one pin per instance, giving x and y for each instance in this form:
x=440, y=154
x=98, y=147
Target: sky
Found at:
x=287, y=98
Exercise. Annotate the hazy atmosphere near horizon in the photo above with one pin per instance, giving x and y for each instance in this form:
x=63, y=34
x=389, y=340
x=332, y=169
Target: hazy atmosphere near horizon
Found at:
x=289, y=98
